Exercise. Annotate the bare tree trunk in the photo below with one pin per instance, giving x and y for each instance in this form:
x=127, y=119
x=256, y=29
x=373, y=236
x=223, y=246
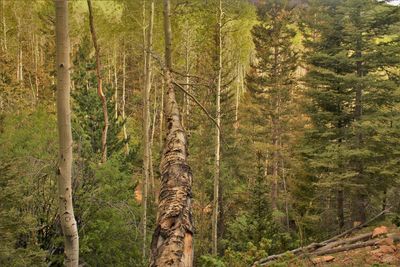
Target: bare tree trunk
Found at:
x=67, y=218
x=162, y=112
x=186, y=99
x=123, y=100
x=340, y=210
x=99, y=85
x=237, y=100
x=172, y=243
x=286, y=194
x=20, y=76
x=36, y=58
x=153, y=130
x=218, y=136
x=4, y=27
x=146, y=120
x=115, y=83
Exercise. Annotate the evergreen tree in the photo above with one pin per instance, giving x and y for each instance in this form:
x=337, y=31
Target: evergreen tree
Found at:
x=271, y=82
x=349, y=50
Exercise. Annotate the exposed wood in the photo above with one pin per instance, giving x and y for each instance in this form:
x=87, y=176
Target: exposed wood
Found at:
x=314, y=246
x=351, y=240
x=67, y=218
x=346, y=248
x=99, y=85
x=172, y=243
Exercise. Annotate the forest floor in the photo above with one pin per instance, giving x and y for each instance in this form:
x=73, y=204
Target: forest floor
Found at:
x=384, y=254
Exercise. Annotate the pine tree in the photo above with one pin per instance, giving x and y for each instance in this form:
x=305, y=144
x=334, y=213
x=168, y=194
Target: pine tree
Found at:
x=349, y=52
x=271, y=83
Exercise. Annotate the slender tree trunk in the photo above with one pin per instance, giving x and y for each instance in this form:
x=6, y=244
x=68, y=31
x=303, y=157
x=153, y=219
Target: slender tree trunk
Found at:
x=146, y=120
x=19, y=56
x=340, y=208
x=186, y=99
x=115, y=83
x=162, y=112
x=123, y=100
x=237, y=100
x=153, y=130
x=99, y=85
x=286, y=194
x=172, y=243
x=4, y=27
x=67, y=218
x=36, y=58
x=218, y=135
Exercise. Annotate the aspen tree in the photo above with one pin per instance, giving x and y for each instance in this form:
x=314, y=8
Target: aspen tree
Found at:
x=67, y=218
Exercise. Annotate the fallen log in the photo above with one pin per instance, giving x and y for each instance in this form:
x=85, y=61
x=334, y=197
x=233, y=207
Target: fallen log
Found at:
x=358, y=238
x=358, y=227
x=314, y=246
x=368, y=243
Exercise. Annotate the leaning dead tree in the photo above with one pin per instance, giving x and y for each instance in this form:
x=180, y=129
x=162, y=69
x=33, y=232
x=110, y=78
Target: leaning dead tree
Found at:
x=67, y=218
x=99, y=85
x=172, y=243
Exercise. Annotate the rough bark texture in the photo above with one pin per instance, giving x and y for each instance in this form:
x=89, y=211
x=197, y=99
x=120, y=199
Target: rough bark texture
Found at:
x=99, y=85
x=67, y=218
x=172, y=243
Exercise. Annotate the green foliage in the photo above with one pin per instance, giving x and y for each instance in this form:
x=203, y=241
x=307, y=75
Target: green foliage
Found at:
x=27, y=185
x=347, y=149
x=108, y=215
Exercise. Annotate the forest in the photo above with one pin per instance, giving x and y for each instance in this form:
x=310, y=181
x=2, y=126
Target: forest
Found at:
x=210, y=133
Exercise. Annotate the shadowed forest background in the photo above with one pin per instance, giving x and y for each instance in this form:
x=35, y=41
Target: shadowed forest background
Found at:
x=291, y=109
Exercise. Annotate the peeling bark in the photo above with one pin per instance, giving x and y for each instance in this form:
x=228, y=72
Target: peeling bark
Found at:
x=172, y=243
x=67, y=218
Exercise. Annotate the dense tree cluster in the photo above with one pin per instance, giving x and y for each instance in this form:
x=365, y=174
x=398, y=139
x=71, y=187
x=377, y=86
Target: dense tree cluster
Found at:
x=244, y=127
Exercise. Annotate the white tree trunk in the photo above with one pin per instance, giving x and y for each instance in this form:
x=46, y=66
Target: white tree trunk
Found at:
x=146, y=120
x=67, y=218
x=218, y=136
x=124, y=100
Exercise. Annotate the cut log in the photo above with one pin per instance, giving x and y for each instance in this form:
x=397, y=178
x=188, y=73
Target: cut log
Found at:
x=382, y=230
x=322, y=259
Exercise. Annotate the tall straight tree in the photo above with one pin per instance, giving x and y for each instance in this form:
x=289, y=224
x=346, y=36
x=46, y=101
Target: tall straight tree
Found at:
x=271, y=82
x=146, y=123
x=172, y=243
x=67, y=218
x=99, y=84
x=351, y=54
x=218, y=131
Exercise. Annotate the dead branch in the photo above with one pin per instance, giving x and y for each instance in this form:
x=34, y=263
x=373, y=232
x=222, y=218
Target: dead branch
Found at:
x=314, y=246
